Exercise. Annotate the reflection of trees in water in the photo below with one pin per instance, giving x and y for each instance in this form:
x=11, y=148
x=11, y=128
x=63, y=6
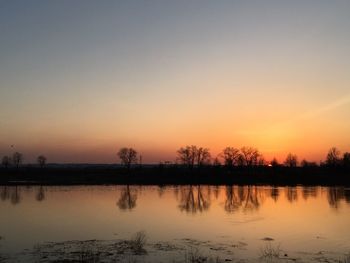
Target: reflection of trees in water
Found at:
x=336, y=194
x=193, y=199
x=13, y=193
x=242, y=197
x=274, y=193
x=16, y=196
x=127, y=199
x=176, y=192
x=40, y=195
x=291, y=193
x=161, y=190
x=5, y=193
x=216, y=191
x=309, y=191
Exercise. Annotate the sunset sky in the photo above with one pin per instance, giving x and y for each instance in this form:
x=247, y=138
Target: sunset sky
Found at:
x=80, y=79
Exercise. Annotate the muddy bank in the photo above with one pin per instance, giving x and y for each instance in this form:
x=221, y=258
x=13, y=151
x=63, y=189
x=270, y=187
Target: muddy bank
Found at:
x=178, y=250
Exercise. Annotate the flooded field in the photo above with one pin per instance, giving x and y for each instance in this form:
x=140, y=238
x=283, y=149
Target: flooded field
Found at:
x=174, y=224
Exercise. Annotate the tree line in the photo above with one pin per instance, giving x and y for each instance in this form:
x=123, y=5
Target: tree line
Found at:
x=17, y=159
x=193, y=156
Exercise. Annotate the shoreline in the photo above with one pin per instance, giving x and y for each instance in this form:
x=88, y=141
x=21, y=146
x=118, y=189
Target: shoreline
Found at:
x=156, y=175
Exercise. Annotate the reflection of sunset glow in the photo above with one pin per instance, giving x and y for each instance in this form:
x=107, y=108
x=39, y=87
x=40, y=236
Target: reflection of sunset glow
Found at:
x=288, y=214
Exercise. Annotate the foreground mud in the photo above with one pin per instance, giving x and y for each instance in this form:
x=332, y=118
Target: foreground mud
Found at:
x=179, y=250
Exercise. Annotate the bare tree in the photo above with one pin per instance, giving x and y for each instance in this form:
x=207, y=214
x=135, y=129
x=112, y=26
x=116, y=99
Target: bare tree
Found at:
x=191, y=155
x=202, y=156
x=6, y=161
x=216, y=162
x=17, y=159
x=230, y=156
x=333, y=157
x=41, y=160
x=249, y=156
x=274, y=162
x=128, y=156
x=291, y=160
x=187, y=155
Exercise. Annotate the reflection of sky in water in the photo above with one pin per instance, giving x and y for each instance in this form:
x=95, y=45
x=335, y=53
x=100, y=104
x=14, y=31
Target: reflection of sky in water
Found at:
x=299, y=218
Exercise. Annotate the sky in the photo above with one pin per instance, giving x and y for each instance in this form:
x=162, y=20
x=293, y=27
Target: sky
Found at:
x=80, y=79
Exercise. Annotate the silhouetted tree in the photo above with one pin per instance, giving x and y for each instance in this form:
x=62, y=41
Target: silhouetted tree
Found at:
x=41, y=160
x=346, y=159
x=191, y=155
x=304, y=163
x=240, y=160
x=261, y=160
x=187, y=155
x=333, y=157
x=128, y=156
x=249, y=156
x=216, y=162
x=6, y=161
x=17, y=159
x=202, y=156
x=291, y=160
x=274, y=162
x=230, y=156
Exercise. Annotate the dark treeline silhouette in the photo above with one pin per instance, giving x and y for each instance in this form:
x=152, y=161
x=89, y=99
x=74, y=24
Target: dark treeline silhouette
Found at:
x=17, y=160
x=193, y=165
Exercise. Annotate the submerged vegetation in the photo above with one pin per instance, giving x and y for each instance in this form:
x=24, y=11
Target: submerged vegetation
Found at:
x=270, y=252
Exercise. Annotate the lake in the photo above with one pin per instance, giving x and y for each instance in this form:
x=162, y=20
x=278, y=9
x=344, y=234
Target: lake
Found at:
x=215, y=223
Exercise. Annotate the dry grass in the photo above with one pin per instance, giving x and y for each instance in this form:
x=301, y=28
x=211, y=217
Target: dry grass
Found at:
x=270, y=252
x=138, y=242
x=194, y=256
x=88, y=255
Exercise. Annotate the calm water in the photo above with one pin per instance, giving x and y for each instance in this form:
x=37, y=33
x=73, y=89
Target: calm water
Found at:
x=303, y=221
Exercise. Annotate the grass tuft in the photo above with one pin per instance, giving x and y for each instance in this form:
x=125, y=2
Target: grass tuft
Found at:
x=194, y=256
x=270, y=252
x=138, y=242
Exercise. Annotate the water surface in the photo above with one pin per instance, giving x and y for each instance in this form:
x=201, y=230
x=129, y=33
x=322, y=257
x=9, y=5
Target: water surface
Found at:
x=234, y=221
